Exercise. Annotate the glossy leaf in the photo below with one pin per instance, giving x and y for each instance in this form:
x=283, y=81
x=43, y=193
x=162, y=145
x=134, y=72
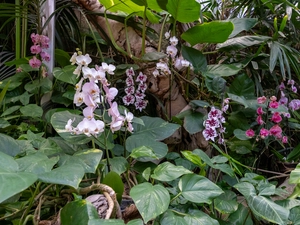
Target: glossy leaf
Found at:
x=89, y=159
x=242, y=24
x=171, y=218
x=65, y=74
x=168, y=172
x=195, y=57
x=212, y=32
x=12, y=183
x=143, y=152
x=184, y=11
x=146, y=148
x=295, y=215
x=295, y=175
x=7, y=163
x=62, y=57
x=114, y=180
x=238, y=43
x=118, y=164
x=9, y=145
x=200, y=218
x=245, y=189
x=155, y=127
x=268, y=210
x=151, y=201
x=226, y=203
x=78, y=212
x=70, y=174
x=36, y=163
x=241, y=216
x=198, y=189
x=222, y=70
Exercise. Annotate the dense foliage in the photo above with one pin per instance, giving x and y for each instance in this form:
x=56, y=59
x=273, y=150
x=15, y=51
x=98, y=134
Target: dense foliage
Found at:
x=187, y=110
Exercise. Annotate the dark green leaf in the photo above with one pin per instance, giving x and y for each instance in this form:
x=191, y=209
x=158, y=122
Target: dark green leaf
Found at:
x=171, y=218
x=168, y=172
x=200, y=218
x=193, y=122
x=222, y=70
x=9, y=145
x=65, y=74
x=212, y=32
x=243, y=85
x=242, y=42
x=226, y=203
x=113, y=180
x=150, y=200
x=241, y=216
x=155, y=127
x=32, y=110
x=68, y=174
x=198, y=189
x=62, y=57
x=241, y=24
x=78, y=212
x=195, y=57
x=118, y=164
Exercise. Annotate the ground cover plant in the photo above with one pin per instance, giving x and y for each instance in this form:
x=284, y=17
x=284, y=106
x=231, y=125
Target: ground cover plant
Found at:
x=164, y=112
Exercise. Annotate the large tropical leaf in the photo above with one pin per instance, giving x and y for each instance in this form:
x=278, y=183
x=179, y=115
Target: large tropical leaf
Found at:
x=150, y=200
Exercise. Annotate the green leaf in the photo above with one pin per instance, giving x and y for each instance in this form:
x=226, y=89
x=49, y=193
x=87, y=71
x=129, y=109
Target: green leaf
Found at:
x=295, y=215
x=226, y=203
x=143, y=152
x=59, y=121
x=218, y=85
x=36, y=163
x=9, y=145
x=242, y=85
x=153, y=56
x=294, y=154
x=68, y=174
x=193, y=122
x=240, y=134
x=294, y=176
x=268, y=210
x=168, y=172
x=7, y=163
x=265, y=188
x=184, y=11
x=65, y=74
x=239, y=99
x=241, y=24
x=43, y=86
x=10, y=110
x=241, y=216
x=171, y=218
x=245, y=189
x=78, y=212
x=14, y=81
x=12, y=183
x=118, y=164
x=198, y=189
x=195, y=57
x=146, y=150
x=238, y=43
x=89, y=159
x=222, y=70
x=194, y=158
x=62, y=57
x=114, y=180
x=155, y=127
x=200, y=218
x=151, y=201
x=212, y=32
x=32, y=110
x=3, y=92
x=4, y=123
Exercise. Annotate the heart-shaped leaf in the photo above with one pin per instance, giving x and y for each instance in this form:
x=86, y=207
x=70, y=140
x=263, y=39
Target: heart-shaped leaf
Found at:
x=65, y=74
x=150, y=200
x=198, y=189
x=168, y=172
x=68, y=174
